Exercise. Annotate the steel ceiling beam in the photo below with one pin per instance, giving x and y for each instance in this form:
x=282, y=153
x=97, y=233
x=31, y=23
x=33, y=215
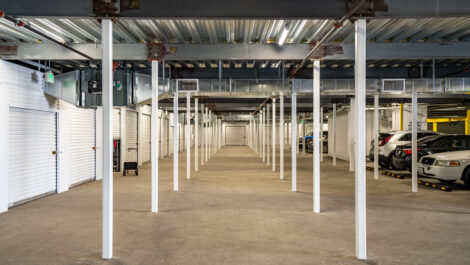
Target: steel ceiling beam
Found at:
x=195, y=52
x=237, y=9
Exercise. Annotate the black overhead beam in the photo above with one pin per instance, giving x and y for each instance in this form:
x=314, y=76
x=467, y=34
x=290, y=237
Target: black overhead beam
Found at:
x=271, y=9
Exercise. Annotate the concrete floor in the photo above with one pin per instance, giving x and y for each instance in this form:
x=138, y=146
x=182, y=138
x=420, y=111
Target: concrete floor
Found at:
x=235, y=210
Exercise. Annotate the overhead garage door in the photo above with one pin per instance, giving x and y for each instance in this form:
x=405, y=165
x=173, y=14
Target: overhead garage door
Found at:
x=79, y=149
x=144, y=145
x=32, y=147
x=131, y=136
x=235, y=135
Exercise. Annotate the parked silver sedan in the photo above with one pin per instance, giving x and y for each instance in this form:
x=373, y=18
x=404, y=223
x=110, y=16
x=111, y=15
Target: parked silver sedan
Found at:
x=447, y=167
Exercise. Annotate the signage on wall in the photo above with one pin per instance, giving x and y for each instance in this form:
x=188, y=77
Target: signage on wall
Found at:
x=49, y=77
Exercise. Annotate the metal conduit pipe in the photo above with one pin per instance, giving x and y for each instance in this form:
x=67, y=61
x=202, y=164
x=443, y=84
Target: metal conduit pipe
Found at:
x=336, y=26
x=21, y=23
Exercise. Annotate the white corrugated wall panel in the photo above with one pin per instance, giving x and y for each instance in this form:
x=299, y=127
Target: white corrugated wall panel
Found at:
x=79, y=151
x=26, y=87
x=235, y=135
x=144, y=145
x=342, y=145
x=116, y=124
x=131, y=135
x=32, y=165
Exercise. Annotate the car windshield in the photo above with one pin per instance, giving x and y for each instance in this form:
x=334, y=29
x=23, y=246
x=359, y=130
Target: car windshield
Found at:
x=428, y=139
x=383, y=136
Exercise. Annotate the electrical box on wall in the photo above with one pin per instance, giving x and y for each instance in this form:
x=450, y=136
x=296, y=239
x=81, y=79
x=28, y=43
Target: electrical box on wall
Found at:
x=94, y=86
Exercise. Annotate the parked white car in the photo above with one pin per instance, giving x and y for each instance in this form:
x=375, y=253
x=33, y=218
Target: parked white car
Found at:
x=388, y=145
x=447, y=167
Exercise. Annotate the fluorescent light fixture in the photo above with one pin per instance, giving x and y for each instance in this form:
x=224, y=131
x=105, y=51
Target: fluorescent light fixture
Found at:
x=284, y=35
x=202, y=65
x=47, y=32
x=178, y=65
x=213, y=65
x=93, y=65
x=383, y=65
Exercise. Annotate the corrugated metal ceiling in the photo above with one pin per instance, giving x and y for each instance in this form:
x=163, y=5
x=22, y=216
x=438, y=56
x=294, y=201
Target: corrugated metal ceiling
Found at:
x=87, y=30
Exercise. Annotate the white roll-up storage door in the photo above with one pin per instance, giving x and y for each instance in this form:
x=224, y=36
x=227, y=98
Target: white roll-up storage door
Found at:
x=144, y=145
x=235, y=135
x=79, y=148
x=116, y=124
x=131, y=136
x=164, y=136
x=32, y=158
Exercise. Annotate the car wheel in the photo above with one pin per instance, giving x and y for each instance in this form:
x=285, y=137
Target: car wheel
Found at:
x=446, y=181
x=466, y=178
x=383, y=165
x=393, y=163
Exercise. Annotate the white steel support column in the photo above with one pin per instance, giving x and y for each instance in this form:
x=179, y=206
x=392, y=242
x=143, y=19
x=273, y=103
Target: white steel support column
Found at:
x=196, y=134
x=274, y=135
x=160, y=133
x=107, y=101
x=294, y=140
x=321, y=134
x=376, y=136
x=203, y=133
x=414, y=144
x=249, y=134
x=154, y=137
x=268, y=135
x=188, y=136
x=334, y=134
x=206, y=134
x=260, y=141
x=316, y=136
x=175, y=142
x=281, y=136
x=263, y=134
x=304, y=122
x=210, y=134
x=360, y=128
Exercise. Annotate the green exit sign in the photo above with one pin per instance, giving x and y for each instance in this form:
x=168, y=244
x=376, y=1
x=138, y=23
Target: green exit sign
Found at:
x=301, y=121
x=49, y=77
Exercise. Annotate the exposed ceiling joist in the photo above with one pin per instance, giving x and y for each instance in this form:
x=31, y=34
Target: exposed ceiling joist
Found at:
x=230, y=52
x=232, y=9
